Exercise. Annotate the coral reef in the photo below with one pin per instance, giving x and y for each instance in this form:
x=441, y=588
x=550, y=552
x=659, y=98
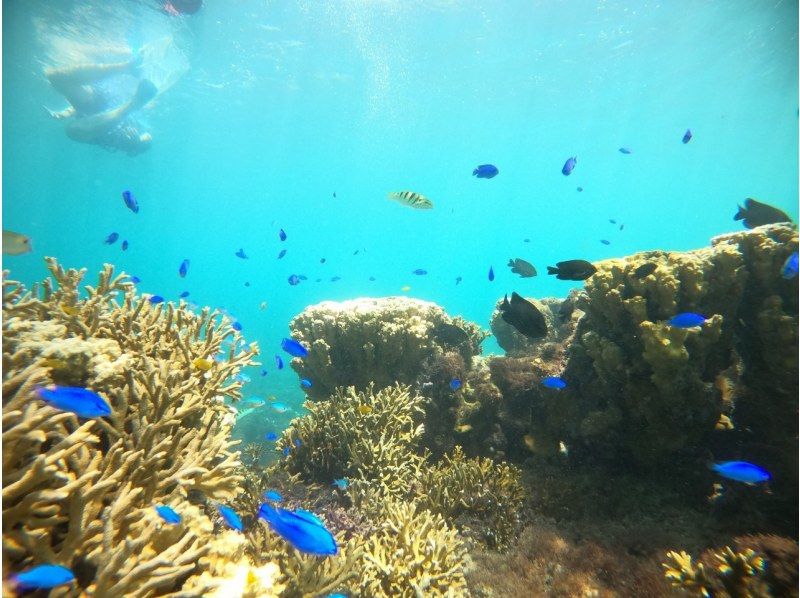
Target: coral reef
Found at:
x=733, y=574
x=80, y=493
x=380, y=341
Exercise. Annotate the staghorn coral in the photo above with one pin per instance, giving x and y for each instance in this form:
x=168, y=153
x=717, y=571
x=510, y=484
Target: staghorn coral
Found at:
x=81, y=493
x=479, y=496
x=381, y=341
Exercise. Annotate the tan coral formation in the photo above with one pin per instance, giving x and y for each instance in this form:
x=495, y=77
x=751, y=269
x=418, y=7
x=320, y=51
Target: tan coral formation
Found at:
x=81, y=493
x=383, y=341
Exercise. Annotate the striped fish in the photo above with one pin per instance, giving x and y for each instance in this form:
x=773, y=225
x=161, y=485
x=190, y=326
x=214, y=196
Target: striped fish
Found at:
x=410, y=198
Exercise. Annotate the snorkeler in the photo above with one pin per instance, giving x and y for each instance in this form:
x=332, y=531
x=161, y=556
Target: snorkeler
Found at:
x=177, y=8
x=91, y=118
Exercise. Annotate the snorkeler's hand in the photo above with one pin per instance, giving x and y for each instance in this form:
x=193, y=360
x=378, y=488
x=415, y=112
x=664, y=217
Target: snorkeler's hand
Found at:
x=61, y=114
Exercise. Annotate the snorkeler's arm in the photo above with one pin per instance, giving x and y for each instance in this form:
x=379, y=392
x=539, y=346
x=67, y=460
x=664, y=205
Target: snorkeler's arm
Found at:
x=85, y=74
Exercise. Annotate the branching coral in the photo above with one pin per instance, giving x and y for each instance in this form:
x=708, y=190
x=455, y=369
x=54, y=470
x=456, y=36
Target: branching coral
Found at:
x=81, y=493
x=383, y=341
x=733, y=574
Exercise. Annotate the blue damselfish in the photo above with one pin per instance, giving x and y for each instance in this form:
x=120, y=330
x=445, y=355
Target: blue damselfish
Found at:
x=81, y=401
x=302, y=529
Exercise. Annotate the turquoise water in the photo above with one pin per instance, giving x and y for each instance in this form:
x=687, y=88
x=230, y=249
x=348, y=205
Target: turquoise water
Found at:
x=277, y=106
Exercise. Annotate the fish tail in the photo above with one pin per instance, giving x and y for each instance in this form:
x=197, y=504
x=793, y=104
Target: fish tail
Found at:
x=740, y=214
x=551, y=270
x=474, y=172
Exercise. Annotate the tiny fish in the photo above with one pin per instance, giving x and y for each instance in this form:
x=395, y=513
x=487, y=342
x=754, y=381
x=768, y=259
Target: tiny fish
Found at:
x=230, y=517
x=687, y=136
x=273, y=495
x=491, y=274
x=741, y=471
x=455, y=384
x=202, y=364
x=645, y=269
x=15, y=243
x=111, y=239
x=526, y=240
x=42, y=577
x=405, y=288
x=81, y=401
x=485, y=171
x=70, y=310
x=241, y=254
x=621, y=226
x=789, y=269
x=278, y=362
x=521, y=267
x=247, y=284
x=271, y=436
x=322, y=260
x=569, y=166
x=285, y=450
x=282, y=235
x=334, y=193
x=420, y=272
x=624, y=150
x=253, y=402
x=279, y=407
x=317, y=280
x=236, y=326
x=458, y=279
x=297, y=443
x=183, y=295
x=579, y=189
x=302, y=277
x=281, y=253
x=184, y=269
x=340, y=483
x=605, y=241
x=612, y=221
x=294, y=280
x=355, y=252
x=411, y=199
x=262, y=306
x=572, y=270
x=124, y=245
x=364, y=409
x=335, y=278
x=135, y=279
x=130, y=201
x=168, y=514
x=554, y=382
x=687, y=320
x=302, y=529
x=243, y=378
x=155, y=299
x=463, y=428
x=305, y=383
x=372, y=279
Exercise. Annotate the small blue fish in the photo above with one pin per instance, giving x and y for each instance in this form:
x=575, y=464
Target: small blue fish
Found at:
x=286, y=451
x=569, y=166
x=485, y=171
x=687, y=320
x=130, y=201
x=554, y=382
x=605, y=241
x=247, y=284
x=491, y=274
x=273, y=495
x=687, y=136
x=236, y=326
x=372, y=279
x=789, y=269
x=282, y=235
x=335, y=278
x=612, y=221
x=302, y=529
x=280, y=407
x=263, y=373
x=458, y=279
x=322, y=260
x=134, y=279
x=241, y=254
x=83, y=402
x=111, y=239
x=278, y=362
x=294, y=280
x=156, y=299
x=271, y=436
x=282, y=253
x=168, y=514
x=124, y=245
x=297, y=443
x=355, y=252
x=230, y=517
x=184, y=269
x=420, y=272
x=184, y=295
x=305, y=383
x=302, y=277
x=625, y=150
x=243, y=378
x=526, y=240
x=42, y=577
x=579, y=189
x=340, y=483
x=741, y=471
x=455, y=384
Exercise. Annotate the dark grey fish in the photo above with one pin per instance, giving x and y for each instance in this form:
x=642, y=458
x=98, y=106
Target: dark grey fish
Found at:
x=521, y=267
x=523, y=316
x=754, y=213
x=450, y=334
x=645, y=269
x=572, y=270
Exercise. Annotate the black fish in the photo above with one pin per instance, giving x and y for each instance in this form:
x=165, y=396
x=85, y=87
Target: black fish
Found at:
x=521, y=267
x=645, y=269
x=523, y=316
x=754, y=213
x=451, y=334
x=572, y=270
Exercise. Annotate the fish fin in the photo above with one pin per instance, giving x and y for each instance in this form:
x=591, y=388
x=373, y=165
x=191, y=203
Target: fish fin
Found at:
x=551, y=270
x=740, y=214
x=474, y=172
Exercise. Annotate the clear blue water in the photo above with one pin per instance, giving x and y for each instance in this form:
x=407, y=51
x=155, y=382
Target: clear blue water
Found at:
x=285, y=103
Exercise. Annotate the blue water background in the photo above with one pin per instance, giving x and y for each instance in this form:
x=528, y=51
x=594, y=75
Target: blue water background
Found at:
x=285, y=103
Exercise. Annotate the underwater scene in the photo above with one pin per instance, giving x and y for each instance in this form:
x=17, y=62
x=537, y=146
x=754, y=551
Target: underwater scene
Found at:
x=400, y=298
